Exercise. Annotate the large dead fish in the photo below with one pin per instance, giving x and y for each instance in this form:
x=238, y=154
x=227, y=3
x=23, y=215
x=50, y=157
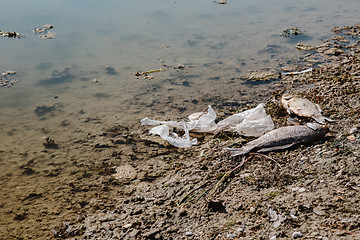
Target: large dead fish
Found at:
x=303, y=108
x=282, y=138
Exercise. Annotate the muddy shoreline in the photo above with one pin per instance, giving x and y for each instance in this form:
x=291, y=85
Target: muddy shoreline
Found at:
x=123, y=183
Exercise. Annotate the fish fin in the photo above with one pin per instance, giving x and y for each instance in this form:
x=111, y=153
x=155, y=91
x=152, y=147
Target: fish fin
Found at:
x=270, y=149
x=318, y=107
x=320, y=119
x=313, y=126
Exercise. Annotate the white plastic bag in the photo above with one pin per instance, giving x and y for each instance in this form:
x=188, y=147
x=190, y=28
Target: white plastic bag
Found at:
x=164, y=132
x=150, y=122
x=198, y=122
x=202, y=122
x=252, y=122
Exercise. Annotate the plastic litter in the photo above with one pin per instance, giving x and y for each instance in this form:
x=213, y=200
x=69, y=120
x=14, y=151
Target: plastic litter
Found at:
x=164, y=132
x=300, y=72
x=198, y=122
x=253, y=122
x=203, y=122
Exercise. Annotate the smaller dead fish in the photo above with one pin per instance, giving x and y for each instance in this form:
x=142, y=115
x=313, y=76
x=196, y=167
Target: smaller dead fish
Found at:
x=282, y=138
x=303, y=108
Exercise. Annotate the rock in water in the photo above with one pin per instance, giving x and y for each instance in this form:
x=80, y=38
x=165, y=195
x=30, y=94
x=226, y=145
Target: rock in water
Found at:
x=303, y=108
x=283, y=138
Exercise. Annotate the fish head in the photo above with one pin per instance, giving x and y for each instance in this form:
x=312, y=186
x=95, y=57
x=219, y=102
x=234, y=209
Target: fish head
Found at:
x=286, y=97
x=321, y=129
x=285, y=101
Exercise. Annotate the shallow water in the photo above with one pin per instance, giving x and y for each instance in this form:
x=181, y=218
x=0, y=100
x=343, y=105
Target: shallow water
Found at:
x=221, y=42
x=111, y=40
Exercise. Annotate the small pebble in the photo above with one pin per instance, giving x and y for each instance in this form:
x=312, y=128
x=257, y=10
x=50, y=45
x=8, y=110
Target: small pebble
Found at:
x=297, y=235
x=302, y=190
x=231, y=235
x=353, y=130
x=126, y=226
x=240, y=230
x=273, y=238
x=351, y=138
x=252, y=209
x=188, y=234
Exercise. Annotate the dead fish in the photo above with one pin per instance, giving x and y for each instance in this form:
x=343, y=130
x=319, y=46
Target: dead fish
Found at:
x=303, y=108
x=282, y=138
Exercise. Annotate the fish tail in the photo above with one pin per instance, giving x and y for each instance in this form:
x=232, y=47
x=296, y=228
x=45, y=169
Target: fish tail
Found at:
x=236, y=151
x=329, y=120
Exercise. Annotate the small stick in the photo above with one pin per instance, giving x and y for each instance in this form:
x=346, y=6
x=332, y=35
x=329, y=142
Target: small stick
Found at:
x=262, y=155
x=217, y=185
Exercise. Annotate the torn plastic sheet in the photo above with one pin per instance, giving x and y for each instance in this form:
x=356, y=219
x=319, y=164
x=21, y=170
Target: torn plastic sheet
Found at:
x=198, y=122
x=203, y=122
x=164, y=132
x=252, y=122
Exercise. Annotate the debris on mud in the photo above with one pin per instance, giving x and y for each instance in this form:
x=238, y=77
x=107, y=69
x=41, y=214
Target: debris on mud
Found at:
x=11, y=34
x=303, y=108
x=305, y=47
x=45, y=30
x=263, y=75
x=221, y=2
x=50, y=143
x=49, y=35
x=291, y=31
x=42, y=29
x=5, y=78
x=283, y=138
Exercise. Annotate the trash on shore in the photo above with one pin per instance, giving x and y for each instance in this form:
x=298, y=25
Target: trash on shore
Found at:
x=261, y=75
x=164, y=132
x=4, y=81
x=252, y=122
x=303, y=108
x=300, y=72
x=49, y=35
x=282, y=138
x=198, y=122
x=11, y=34
x=137, y=74
x=291, y=31
x=221, y=2
x=42, y=29
x=305, y=47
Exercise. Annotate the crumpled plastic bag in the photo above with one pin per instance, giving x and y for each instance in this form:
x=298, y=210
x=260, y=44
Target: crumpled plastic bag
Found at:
x=151, y=122
x=164, y=132
x=198, y=122
x=203, y=122
x=253, y=122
